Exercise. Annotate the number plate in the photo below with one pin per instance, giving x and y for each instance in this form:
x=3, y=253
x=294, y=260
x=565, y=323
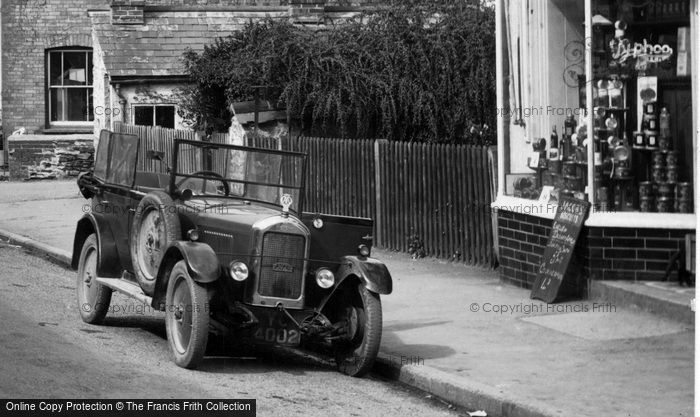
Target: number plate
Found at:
x=277, y=336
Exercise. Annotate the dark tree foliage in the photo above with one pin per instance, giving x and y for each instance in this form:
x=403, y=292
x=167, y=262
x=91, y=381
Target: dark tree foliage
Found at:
x=410, y=70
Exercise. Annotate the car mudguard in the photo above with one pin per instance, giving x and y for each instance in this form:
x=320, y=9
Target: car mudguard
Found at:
x=202, y=265
x=109, y=264
x=372, y=272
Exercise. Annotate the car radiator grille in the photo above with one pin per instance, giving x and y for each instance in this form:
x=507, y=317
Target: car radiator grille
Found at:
x=282, y=270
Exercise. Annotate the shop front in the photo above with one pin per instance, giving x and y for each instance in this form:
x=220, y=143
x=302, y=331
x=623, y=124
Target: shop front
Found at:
x=598, y=101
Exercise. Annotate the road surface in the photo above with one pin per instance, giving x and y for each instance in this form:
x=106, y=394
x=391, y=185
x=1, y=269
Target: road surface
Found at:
x=47, y=351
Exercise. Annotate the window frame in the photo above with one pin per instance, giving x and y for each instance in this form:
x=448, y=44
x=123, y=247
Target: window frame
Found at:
x=153, y=106
x=49, y=87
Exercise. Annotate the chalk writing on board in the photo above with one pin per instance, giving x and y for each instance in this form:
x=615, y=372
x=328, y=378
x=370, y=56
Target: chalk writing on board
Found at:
x=566, y=228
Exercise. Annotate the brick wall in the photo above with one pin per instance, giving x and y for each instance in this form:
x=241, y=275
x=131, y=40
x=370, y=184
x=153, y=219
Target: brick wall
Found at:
x=636, y=254
x=521, y=242
x=29, y=27
x=601, y=253
x=127, y=12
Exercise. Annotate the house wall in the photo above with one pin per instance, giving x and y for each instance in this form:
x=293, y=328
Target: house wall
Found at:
x=257, y=2
x=112, y=105
x=142, y=94
x=29, y=27
x=101, y=93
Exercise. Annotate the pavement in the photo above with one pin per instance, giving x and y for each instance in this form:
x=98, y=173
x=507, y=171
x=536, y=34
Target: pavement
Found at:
x=458, y=333
x=666, y=298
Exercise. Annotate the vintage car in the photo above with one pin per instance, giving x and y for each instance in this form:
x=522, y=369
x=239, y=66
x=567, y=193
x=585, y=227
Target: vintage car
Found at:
x=216, y=237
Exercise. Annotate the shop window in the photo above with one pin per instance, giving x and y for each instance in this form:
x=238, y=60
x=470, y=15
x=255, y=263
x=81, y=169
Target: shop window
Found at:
x=69, y=86
x=642, y=123
x=542, y=96
x=642, y=108
x=155, y=115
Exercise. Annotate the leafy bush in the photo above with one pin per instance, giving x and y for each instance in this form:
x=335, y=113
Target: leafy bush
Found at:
x=411, y=70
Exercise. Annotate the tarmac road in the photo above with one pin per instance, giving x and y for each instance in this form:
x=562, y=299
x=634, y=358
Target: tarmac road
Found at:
x=47, y=351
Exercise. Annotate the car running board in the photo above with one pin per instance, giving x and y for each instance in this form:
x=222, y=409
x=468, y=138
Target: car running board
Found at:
x=127, y=288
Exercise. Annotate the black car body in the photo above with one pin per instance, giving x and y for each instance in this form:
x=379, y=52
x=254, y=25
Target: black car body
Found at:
x=221, y=244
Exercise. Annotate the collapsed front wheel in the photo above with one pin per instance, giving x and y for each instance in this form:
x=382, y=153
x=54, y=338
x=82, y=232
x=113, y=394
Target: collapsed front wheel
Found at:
x=93, y=297
x=360, y=312
x=186, y=317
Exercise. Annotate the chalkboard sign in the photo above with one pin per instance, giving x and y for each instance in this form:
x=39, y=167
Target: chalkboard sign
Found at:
x=557, y=254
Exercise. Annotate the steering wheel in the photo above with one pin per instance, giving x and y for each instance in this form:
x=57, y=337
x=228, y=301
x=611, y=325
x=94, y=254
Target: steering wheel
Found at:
x=216, y=175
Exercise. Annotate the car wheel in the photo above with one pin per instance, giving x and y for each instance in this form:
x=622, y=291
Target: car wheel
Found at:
x=155, y=226
x=93, y=297
x=186, y=317
x=362, y=315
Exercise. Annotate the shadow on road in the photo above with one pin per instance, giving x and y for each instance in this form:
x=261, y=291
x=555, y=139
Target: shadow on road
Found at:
x=409, y=353
x=227, y=354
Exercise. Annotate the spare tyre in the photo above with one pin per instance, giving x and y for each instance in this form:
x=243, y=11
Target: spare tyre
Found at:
x=156, y=225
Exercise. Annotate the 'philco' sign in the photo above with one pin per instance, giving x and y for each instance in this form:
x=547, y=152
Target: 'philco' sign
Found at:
x=644, y=52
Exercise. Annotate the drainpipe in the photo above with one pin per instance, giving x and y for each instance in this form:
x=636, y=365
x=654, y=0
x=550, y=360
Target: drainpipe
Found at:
x=122, y=103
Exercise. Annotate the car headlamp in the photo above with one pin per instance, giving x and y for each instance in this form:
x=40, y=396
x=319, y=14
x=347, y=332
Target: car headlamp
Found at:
x=325, y=278
x=193, y=235
x=364, y=250
x=238, y=271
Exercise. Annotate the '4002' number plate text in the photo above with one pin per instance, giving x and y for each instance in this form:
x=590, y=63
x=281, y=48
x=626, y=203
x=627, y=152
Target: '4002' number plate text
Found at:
x=280, y=336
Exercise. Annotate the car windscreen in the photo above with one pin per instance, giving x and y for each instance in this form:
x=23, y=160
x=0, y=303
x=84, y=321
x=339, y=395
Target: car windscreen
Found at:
x=263, y=175
x=122, y=160
x=102, y=155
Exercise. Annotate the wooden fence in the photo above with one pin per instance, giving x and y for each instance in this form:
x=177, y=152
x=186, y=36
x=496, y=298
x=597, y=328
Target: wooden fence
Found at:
x=428, y=197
